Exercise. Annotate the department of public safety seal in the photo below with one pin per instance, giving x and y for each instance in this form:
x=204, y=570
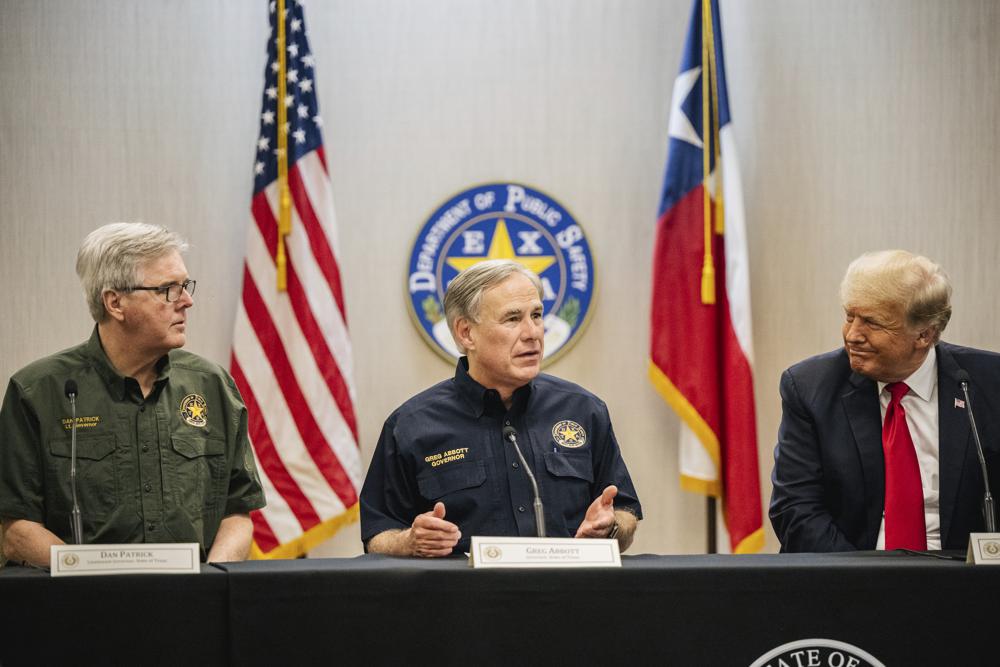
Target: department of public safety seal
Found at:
x=502, y=221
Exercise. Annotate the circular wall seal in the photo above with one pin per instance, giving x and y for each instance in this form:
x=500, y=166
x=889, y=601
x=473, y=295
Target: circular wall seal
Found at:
x=826, y=652
x=502, y=221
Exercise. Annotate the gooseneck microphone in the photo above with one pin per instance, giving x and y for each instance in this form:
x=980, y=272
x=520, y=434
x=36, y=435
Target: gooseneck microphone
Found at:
x=509, y=433
x=76, y=523
x=988, y=511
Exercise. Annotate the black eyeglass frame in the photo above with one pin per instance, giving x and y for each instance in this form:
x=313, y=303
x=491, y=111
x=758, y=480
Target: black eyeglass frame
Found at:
x=187, y=286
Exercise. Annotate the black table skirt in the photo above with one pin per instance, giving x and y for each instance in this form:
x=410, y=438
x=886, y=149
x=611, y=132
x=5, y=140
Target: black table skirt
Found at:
x=675, y=610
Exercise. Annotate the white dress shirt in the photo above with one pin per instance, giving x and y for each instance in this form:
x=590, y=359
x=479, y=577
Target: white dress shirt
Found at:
x=921, y=406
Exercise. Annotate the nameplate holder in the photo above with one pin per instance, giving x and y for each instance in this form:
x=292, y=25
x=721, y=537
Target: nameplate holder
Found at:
x=73, y=560
x=984, y=549
x=520, y=552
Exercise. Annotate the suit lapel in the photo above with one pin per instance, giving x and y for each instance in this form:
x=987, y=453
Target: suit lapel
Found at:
x=954, y=437
x=865, y=417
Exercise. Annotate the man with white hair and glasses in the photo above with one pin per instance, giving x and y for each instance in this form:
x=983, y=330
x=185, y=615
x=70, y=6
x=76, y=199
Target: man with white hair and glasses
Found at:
x=875, y=450
x=162, y=448
x=444, y=468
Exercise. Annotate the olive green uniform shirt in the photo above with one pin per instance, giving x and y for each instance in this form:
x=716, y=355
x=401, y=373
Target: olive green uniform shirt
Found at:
x=165, y=468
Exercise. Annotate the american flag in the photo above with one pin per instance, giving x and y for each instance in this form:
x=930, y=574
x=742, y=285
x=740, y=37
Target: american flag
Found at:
x=291, y=351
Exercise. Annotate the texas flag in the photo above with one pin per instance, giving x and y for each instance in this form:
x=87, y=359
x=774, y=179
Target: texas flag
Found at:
x=701, y=349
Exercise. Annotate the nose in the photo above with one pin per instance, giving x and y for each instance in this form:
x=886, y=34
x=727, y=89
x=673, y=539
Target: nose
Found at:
x=531, y=329
x=854, y=331
x=185, y=300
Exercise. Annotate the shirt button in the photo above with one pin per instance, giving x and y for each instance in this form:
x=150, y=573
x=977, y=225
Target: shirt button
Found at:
x=506, y=423
x=142, y=408
x=148, y=488
x=145, y=448
x=151, y=527
x=520, y=508
x=514, y=465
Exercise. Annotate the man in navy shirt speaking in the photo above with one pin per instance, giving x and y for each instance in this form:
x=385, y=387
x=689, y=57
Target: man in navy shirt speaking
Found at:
x=443, y=470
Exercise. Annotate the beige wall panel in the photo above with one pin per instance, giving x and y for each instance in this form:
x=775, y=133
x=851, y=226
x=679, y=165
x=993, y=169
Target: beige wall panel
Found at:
x=860, y=125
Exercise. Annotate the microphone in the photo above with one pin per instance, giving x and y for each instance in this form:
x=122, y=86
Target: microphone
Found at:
x=76, y=523
x=988, y=510
x=509, y=433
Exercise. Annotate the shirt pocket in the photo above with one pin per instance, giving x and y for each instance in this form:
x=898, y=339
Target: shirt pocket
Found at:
x=451, y=479
x=198, y=472
x=576, y=465
x=570, y=478
x=96, y=474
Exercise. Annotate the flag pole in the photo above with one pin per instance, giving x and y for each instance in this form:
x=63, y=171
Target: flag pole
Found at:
x=711, y=546
x=708, y=264
x=284, y=197
x=710, y=143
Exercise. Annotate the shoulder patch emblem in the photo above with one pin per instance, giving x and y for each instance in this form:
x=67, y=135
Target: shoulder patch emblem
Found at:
x=568, y=433
x=194, y=410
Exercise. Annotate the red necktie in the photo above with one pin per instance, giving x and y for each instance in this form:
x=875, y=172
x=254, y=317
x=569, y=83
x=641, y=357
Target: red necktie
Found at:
x=904, y=495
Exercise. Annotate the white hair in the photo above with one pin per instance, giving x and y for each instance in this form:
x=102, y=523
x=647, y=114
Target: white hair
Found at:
x=899, y=278
x=112, y=257
x=464, y=296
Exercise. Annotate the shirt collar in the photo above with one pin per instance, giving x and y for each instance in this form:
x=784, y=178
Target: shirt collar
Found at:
x=921, y=381
x=479, y=398
x=117, y=383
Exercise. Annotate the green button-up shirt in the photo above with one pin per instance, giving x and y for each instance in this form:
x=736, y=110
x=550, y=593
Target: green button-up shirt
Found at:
x=164, y=468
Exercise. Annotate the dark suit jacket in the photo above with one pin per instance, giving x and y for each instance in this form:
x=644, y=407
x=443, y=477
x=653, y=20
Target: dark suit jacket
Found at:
x=829, y=475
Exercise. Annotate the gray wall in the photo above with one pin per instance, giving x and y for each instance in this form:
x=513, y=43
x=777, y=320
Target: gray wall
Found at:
x=860, y=125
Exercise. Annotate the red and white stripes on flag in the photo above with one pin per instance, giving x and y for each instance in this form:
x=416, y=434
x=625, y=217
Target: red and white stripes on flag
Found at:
x=291, y=350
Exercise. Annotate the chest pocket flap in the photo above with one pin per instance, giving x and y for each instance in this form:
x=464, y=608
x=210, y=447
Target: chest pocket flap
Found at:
x=92, y=447
x=570, y=464
x=192, y=448
x=438, y=483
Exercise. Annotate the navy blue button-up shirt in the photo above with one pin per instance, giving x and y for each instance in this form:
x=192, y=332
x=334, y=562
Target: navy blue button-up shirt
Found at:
x=446, y=444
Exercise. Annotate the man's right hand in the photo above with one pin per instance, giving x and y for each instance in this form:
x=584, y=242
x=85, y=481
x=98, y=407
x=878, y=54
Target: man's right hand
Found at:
x=430, y=535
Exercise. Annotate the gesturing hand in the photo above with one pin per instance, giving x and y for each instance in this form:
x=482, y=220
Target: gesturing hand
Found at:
x=600, y=515
x=430, y=535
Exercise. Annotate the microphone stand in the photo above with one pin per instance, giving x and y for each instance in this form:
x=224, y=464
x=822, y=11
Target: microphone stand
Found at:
x=511, y=435
x=76, y=523
x=989, y=512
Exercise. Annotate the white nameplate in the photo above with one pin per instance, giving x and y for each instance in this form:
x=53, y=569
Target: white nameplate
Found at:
x=69, y=560
x=543, y=552
x=984, y=549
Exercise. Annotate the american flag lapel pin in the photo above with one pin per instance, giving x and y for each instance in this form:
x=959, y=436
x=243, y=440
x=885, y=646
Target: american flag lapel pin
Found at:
x=959, y=403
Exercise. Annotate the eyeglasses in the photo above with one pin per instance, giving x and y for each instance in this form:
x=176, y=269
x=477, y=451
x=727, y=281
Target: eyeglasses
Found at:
x=170, y=292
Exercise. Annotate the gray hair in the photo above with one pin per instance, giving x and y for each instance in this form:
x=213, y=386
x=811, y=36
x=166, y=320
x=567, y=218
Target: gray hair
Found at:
x=464, y=297
x=900, y=278
x=112, y=257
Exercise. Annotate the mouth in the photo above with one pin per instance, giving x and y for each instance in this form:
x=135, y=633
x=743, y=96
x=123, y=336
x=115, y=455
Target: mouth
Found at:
x=854, y=352
x=533, y=355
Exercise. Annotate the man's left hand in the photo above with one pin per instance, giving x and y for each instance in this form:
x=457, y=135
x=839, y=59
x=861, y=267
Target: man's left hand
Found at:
x=600, y=515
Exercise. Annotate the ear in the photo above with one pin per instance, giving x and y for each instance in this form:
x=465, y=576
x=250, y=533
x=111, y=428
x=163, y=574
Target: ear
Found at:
x=113, y=304
x=463, y=333
x=926, y=338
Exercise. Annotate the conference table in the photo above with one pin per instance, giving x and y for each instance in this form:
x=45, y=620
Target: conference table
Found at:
x=902, y=609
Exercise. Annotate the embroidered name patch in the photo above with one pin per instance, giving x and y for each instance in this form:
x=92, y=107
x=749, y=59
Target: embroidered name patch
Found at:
x=449, y=456
x=81, y=422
